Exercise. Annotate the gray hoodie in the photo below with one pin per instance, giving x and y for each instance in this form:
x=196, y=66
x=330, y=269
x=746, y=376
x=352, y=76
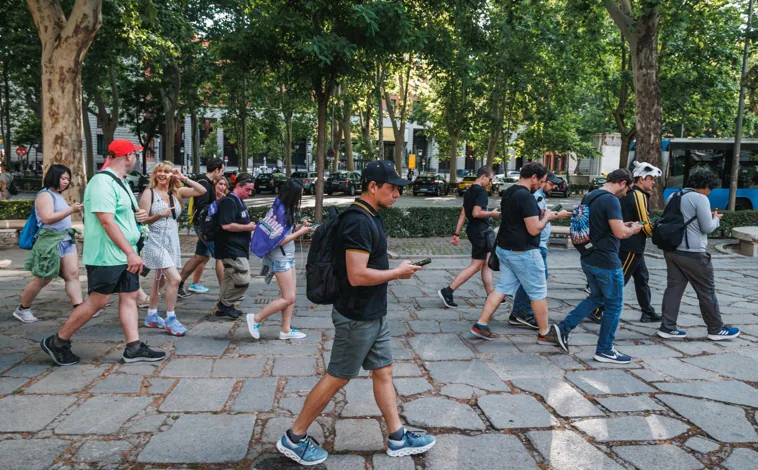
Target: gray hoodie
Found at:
x=695, y=204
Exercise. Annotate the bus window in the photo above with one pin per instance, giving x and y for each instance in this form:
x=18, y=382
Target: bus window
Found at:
x=748, y=177
x=709, y=159
x=676, y=170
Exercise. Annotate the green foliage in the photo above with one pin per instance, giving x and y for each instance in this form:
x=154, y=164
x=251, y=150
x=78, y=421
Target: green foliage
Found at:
x=16, y=209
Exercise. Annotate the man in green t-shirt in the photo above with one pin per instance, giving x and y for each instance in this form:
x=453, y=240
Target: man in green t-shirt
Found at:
x=111, y=235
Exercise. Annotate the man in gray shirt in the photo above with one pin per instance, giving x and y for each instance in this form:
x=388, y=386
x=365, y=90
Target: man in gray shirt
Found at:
x=691, y=262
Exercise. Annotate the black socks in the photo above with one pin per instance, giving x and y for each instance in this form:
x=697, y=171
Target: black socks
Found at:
x=133, y=347
x=397, y=435
x=58, y=342
x=295, y=438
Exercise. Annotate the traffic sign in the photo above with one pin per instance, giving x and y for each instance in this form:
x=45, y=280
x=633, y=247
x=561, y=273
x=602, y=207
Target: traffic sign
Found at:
x=330, y=153
x=20, y=151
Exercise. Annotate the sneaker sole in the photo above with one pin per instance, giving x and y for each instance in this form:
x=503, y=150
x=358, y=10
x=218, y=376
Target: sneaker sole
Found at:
x=439, y=293
x=44, y=348
x=288, y=453
x=524, y=323
x=609, y=360
x=173, y=333
x=155, y=325
x=478, y=335
x=410, y=450
x=195, y=291
x=649, y=320
x=257, y=334
x=722, y=338
x=142, y=359
x=19, y=318
x=292, y=337
x=669, y=336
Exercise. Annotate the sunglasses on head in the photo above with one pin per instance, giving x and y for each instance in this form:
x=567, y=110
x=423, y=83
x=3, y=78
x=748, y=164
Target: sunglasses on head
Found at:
x=249, y=180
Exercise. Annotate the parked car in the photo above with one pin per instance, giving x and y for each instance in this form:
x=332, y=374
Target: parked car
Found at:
x=462, y=173
x=430, y=184
x=492, y=188
x=514, y=174
x=137, y=181
x=561, y=188
x=343, y=182
x=597, y=183
x=307, y=179
x=269, y=182
x=505, y=183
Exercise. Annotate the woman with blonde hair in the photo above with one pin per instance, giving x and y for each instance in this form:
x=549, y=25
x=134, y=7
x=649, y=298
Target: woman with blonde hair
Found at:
x=221, y=187
x=162, y=252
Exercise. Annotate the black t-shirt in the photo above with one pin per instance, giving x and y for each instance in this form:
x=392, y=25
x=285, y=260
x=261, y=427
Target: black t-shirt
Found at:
x=475, y=196
x=232, y=244
x=518, y=204
x=357, y=233
x=201, y=202
x=605, y=251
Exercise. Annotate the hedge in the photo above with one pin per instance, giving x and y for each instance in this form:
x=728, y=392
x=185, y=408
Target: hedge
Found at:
x=411, y=222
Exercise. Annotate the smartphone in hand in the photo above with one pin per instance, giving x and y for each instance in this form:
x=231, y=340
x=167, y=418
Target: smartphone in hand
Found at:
x=423, y=262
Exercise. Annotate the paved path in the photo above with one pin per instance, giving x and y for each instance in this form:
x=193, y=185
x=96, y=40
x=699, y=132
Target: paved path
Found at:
x=222, y=398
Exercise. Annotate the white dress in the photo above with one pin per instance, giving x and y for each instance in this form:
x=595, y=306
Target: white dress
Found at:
x=162, y=249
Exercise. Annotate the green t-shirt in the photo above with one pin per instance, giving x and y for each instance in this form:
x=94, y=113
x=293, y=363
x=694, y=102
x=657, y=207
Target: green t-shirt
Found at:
x=104, y=194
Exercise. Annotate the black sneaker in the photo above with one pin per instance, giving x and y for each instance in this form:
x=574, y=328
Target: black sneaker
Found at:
x=587, y=289
x=523, y=320
x=143, y=354
x=446, y=295
x=650, y=318
x=61, y=356
x=596, y=316
x=222, y=311
x=182, y=293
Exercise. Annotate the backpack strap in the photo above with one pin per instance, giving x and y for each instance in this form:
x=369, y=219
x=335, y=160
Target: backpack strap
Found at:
x=681, y=193
x=171, y=205
x=123, y=186
x=356, y=207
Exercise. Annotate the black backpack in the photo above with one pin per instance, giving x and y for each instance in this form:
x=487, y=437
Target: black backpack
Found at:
x=208, y=222
x=322, y=285
x=671, y=228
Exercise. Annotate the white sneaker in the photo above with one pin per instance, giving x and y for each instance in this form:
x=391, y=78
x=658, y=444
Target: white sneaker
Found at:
x=252, y=327
x=293, y=334
x=25, y=316
x=98, y=313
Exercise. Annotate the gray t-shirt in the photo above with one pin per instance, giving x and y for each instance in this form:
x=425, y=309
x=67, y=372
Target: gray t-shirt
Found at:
x=695, y=204
x=288, y=248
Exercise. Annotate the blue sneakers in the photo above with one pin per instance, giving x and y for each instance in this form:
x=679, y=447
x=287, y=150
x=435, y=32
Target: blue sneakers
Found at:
x=726, y=332
x=153, y=320
x=198, y=289
x=671, y=334
x=174, y=327
x=613, y=357
x=306, y=452
x=411, y=444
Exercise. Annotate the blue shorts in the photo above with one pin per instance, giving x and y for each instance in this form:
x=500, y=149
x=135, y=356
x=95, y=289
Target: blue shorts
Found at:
x=67, y=247
x=524, y=268
x=203, y=248
x=279, y=265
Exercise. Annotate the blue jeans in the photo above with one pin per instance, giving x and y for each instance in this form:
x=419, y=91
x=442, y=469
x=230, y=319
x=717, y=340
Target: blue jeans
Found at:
x=522, y=303
x=606, y=290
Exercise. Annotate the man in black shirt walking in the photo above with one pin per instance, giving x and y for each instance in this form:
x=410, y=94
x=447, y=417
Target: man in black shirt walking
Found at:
x=479, y=233
x=362, y=336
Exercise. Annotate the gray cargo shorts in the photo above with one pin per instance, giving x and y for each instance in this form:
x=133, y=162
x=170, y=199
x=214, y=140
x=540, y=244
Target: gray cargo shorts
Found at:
x=359, y=344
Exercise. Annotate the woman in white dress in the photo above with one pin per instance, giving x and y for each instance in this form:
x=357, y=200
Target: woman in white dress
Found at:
x=162, y=252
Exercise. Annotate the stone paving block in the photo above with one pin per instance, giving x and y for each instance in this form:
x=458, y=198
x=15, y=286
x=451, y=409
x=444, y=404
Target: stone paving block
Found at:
x=405, y=369
x=119, y=383
x=632, y=428
x=210, y=330
x=224, y=438
x=694, y=348
x=139, y=368
x=149, y=423
x=27, y=370
x=159, y=386
x=280, y=348
x=607, y=382
x=629, y=404
x=456, y=452
x=730, y=365
x=198, y=395
x=459, y=391
x=31, y=413
x=8, y=384
x=188, y=367
x=567, y=450
x=424, y=326
x=652, y=456
x=455, y=326
x=295, y=404
x=474, y=373
x=360, y=399
x=438, y=314
x=102, y=414
x=442, y=347
x=275, y=427
x=732, y=391
x=106, y=452
x=256, y=395
x=560, y=395
x=247, y=367
x=345, y=462
x=67, y=379
x=520, y=366
x=677, y=370
x=515, y=411
x=190, y=346
x=8, y=360
x=300, y=384
x=565, y=362
x=437, y=412
x=732, y=426
x=358, y=435
x=385, y=462
x=294, y=366
x=407, y=387
x=504, y=345
x=741, y=459
x=702, y=445
x=30, y=454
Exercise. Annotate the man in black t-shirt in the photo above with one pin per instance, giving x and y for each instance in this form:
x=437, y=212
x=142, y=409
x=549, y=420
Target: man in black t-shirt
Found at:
x=362, y=335
x=203, y=250
x=232, y=243
x=518, y=250
x=479, y=233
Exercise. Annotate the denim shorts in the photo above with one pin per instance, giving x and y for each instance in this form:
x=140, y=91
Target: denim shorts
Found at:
x=67, y=247
x=522, y=268
x=203, y=248
x=279, y=265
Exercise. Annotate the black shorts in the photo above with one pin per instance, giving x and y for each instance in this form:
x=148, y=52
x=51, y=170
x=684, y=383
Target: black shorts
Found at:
x=111, y=280
x=481, y=243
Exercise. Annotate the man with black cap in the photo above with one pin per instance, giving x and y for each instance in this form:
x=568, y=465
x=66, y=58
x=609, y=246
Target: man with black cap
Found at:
x=362, y=335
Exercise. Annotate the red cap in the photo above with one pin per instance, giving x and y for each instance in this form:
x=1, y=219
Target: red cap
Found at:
x=121, y=147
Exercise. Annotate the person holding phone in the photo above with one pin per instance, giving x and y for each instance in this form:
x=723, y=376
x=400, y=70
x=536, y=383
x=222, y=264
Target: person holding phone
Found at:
x=162, y=252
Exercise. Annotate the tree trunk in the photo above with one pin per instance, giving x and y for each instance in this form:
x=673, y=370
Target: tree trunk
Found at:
x=379, y=113
x=288, y=142
x=492, y=146
x=64, y=45
x=626, y=141
x=195, y=136
x=6, y=130
x=322, y=98
x=453, y=157
x=347, y=114
x=89, y=162
x=366, y=131
x=242, y=156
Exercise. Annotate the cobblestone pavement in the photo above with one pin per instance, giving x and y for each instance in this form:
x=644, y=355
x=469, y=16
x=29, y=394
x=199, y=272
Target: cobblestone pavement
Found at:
x=221, y=399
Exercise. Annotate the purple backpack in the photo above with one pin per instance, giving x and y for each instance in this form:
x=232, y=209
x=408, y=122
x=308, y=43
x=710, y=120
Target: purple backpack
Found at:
x=271, y=230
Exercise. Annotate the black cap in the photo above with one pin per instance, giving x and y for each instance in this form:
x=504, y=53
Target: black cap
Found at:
x=382, y=171
x=552, y=178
